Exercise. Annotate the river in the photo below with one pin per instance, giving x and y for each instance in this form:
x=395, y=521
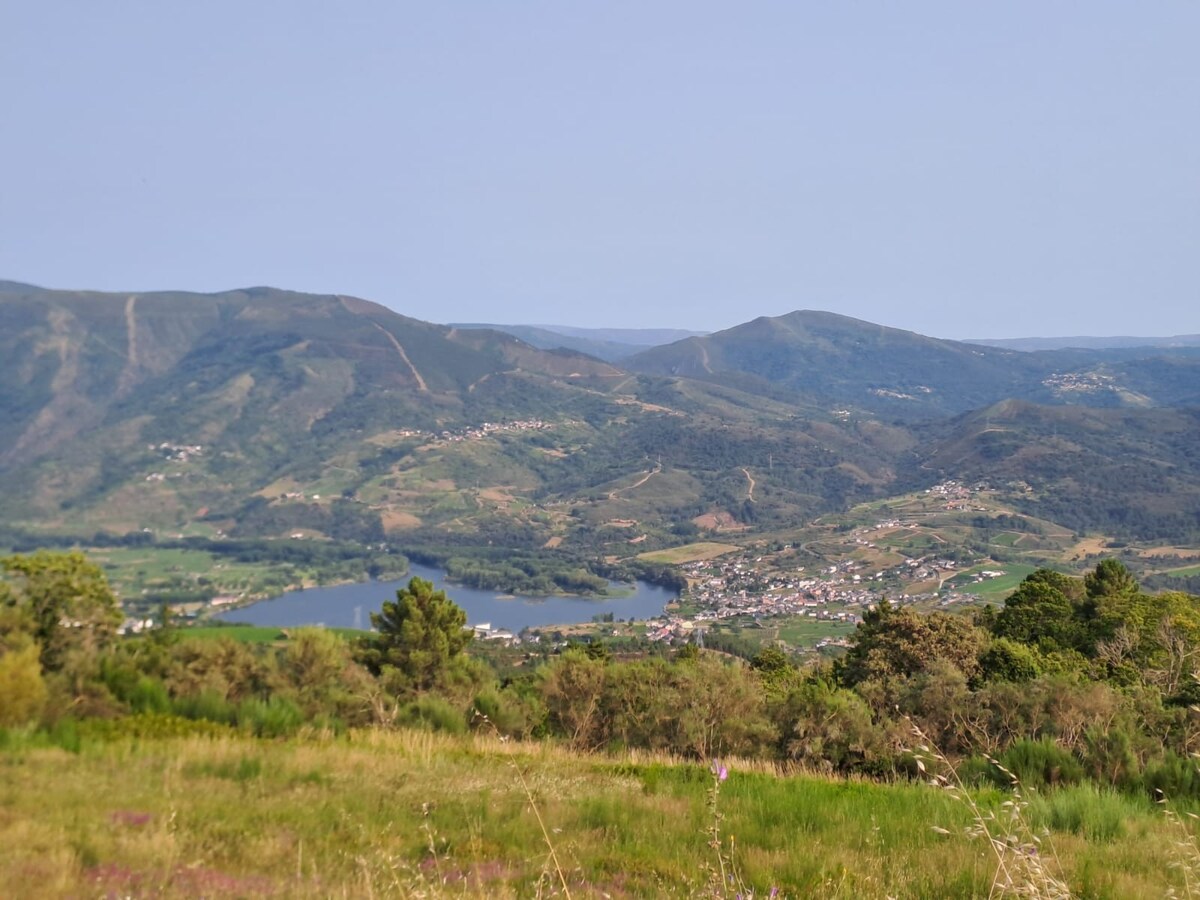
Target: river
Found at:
x=350, y=605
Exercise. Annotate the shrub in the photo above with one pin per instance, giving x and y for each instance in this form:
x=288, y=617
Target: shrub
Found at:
x=1172, y=778
x=207, y=705
x=432, y=713
x=1042, y=763
x=273, y=717
x=22, y=689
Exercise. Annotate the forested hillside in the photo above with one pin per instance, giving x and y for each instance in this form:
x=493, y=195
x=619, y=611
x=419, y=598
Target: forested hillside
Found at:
x=266, y=414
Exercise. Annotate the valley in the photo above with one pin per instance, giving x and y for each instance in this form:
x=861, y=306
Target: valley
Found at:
x=236, y=445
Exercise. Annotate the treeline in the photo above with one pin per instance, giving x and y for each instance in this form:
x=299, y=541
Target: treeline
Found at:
x=535, y=572
x=524, y=576
x=1071, y=679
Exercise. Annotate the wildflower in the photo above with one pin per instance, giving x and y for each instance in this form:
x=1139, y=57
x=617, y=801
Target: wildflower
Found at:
x=719, y=770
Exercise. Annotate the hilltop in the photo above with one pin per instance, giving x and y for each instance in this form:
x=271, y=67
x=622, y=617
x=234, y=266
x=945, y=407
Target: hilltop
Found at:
x=903, y=375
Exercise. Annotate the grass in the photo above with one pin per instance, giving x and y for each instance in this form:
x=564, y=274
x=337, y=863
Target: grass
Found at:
x=417, y=814
x=697, y=552
x=252, y=634
x=249, y=634
x=992, y=588
x=135, y=572
x=804, y=632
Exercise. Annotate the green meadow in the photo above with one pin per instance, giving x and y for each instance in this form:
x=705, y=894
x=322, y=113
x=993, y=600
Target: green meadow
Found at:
x=415, y=814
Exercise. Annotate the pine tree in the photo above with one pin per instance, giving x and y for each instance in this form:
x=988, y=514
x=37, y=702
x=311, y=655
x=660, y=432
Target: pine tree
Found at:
x=419, y=634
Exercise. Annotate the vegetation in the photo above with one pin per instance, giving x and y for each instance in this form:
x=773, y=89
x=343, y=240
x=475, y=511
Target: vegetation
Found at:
x=246, y=442
x=264, y=414
x=413, y=813
x=1078, y=694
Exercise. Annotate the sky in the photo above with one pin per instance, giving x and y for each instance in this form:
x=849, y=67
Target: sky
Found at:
x=963, y=170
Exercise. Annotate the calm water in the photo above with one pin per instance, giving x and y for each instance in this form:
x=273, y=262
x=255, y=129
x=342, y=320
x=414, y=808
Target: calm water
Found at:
x=350, y=605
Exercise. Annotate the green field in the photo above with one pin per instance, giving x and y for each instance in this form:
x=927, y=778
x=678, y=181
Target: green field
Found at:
x=251, y=634
x=993, y=588
x=689, y=553
x=804, y=632
x=139, y=571
x=414, y=814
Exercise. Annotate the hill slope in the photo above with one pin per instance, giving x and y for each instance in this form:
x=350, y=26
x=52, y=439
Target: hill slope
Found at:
x=899, y=374
x=267, y=413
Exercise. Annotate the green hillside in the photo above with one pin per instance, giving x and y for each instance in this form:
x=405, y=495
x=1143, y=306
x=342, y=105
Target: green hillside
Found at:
x=272, y=414
x=838, y=360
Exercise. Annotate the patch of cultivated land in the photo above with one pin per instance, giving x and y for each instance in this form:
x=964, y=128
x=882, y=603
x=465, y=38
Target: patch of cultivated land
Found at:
x=689, y=553
x=407, y=814
x=995, y=589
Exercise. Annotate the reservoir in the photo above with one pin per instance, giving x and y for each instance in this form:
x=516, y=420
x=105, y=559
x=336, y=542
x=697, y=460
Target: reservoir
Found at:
x=350, y=605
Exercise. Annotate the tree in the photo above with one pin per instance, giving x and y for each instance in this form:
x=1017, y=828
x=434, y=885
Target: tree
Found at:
x=1047, y=610
x=66, y=602
x=1109, y=579
x=829, y=728
x=893, y=643
x=420, y=633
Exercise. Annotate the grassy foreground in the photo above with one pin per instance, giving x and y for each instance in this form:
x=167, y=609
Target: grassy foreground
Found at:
x=380, y=814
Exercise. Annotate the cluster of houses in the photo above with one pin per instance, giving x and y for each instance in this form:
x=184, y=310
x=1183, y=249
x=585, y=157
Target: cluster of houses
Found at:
x=475, y=432
x=753, y=586
x=177, y=452
x=742, y=587
x=1080, y=382
x=180, y=453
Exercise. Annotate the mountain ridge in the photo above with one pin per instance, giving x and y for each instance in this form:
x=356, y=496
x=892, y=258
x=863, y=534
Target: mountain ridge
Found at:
x=269, y=413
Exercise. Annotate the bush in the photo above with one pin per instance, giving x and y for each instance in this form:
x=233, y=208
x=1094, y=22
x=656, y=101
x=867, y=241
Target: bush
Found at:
x=1043, y=763
x=22, y=689
x=433, y=713
x=1006, y=660
x=273, y=717
x=149, y=695
x=504, y=711
x=208, y=705
x=149, y=726
x=978, y=771
x=1173, y=777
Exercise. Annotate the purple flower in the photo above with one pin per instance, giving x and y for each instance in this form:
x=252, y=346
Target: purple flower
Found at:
x=719, y=770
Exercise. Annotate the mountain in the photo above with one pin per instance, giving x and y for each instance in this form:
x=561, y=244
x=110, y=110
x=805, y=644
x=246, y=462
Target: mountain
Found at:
x=95, y=390
x=1088, y=343
x=1133, y=473
x=611, y=344
x=269, y=413
x=846, y=362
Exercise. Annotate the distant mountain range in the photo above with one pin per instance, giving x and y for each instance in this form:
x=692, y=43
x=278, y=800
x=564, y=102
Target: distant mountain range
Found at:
x=263, y=412
x=909, y=376
x=611, y=344
x=1090, y=343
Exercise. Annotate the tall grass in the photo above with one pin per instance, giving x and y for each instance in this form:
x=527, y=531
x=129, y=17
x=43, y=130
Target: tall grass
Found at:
x=420, y=813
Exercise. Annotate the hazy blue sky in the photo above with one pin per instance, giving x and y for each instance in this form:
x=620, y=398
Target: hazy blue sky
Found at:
x=959, y=169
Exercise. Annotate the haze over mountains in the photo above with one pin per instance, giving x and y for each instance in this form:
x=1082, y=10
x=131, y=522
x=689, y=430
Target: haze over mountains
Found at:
x=333, y=416
x=611, y=344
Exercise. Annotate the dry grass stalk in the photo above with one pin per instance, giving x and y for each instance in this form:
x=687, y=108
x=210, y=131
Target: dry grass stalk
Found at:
x=1023, y=867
